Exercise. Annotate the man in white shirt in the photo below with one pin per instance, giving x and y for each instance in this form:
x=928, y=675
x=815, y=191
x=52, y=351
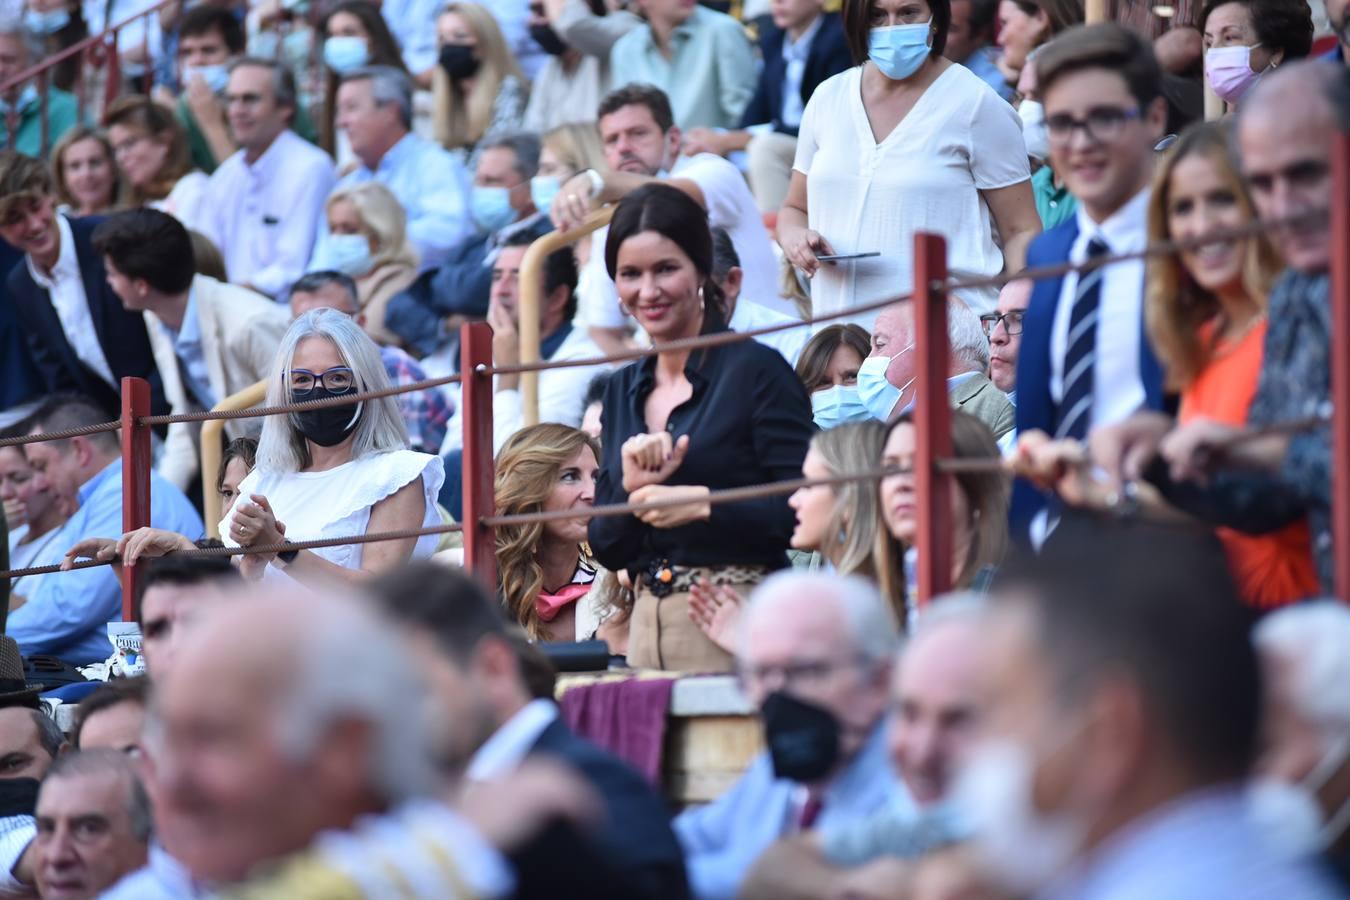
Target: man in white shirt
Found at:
x=561, y=391
x=642, y=144
x=374, y=109
x=264, y=203
x=210, y=340
x=748, y=313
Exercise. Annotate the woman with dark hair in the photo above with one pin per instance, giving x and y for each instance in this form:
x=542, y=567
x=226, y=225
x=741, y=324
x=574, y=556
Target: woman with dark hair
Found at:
x=904, y=142
x=1244, y=39
x=354, y=36
x=683, y=423
x=828, y=369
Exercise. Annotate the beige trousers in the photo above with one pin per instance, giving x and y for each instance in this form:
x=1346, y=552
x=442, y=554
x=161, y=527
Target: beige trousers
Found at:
x=662, y=636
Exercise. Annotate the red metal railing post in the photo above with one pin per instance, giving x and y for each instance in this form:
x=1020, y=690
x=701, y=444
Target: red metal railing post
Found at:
x=1340, y=362
x=932, y=417
x=135, y=478
x=114, y=82
x=480, y=549
x=44, y=121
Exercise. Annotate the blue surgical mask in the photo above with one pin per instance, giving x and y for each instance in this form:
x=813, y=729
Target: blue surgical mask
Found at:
x=899, y=50
x=347, y=253
x=345, y=53
x=216, y=77
x=491, y=207
x=46, y=22
x=543, y=188
x=837, y=405
x=878, y=394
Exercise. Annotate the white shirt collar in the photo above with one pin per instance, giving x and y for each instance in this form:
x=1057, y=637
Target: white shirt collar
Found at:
x=1124, y=231
x=510, y=744
x=67, y=261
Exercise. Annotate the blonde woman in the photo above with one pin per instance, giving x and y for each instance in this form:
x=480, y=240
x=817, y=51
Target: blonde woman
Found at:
x=566, y=151
x=478, y=88
x=546, y=567
x=86, y=178
x=368, y=240
x=151, y=149
x=840, y=524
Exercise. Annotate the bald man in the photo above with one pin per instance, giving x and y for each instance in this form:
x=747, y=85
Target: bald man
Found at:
x=932, y=723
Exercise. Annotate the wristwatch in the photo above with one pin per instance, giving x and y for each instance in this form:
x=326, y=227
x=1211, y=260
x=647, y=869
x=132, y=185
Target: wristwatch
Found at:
x=285, y=557
x=597, y=181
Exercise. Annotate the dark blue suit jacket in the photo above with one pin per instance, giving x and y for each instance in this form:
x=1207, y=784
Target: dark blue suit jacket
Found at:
x=828, y=56
x=1036, y=409
x=461, y=286
x=631, y=855
x=121, y=334
x=20, y=380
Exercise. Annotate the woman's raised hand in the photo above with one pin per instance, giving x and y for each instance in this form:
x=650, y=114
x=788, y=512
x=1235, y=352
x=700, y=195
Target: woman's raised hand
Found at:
x=651, y=459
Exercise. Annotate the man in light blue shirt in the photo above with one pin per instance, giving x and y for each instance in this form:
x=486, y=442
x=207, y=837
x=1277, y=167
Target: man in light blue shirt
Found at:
x=815, y=657
x=374, y=108
x=67, y=614
x=970, y=42
x=702, y=60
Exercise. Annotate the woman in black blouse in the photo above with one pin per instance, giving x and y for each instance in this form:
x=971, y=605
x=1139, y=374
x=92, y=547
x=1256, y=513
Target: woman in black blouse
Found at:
x=682, y=424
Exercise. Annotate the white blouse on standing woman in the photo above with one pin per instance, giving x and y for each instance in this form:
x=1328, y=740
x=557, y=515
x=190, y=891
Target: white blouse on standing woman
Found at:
x=958, y=139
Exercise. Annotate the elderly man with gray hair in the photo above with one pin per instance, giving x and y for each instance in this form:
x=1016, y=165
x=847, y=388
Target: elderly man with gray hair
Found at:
x=374, y=110
x=93, y=824
x=887, y=378
x=934, y=716
x=20, y=49
x=1304, y=793
x=815, y=658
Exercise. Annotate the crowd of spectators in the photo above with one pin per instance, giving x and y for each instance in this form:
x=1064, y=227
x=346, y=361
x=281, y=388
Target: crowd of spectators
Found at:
x=1134, y=690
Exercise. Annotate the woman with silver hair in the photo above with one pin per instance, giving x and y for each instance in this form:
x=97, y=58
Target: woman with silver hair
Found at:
x=336, y=471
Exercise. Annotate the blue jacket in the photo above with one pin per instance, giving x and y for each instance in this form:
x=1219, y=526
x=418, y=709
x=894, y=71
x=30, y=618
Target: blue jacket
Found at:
x=724, y=839
x=20, y=380
x=461, y=286
x=1036, y=409
x=828, y=56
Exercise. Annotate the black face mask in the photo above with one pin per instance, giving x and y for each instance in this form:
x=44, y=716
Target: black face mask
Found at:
x=548, y=39
x=458, y=61
x=803, y=738
x=18, y=796
x=327, y=426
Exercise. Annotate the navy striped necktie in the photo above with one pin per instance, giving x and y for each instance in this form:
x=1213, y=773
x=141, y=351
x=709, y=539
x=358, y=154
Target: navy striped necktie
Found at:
x=1073, y=417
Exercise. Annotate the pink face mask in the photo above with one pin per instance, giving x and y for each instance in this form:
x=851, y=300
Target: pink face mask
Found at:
x=1229, y=71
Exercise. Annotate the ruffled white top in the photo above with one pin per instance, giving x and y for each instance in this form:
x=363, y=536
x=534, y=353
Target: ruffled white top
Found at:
x=337, y=502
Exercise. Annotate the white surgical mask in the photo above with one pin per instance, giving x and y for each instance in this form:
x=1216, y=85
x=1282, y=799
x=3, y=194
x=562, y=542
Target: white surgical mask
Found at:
x=1290, y=816
x=1037, y=139
x=878, y=394
x=1021, y=848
